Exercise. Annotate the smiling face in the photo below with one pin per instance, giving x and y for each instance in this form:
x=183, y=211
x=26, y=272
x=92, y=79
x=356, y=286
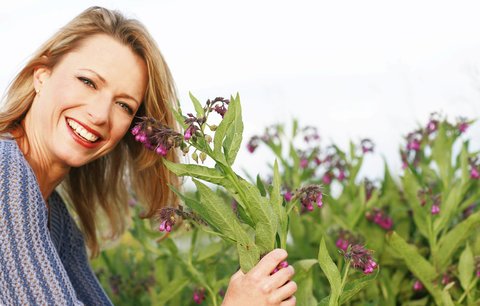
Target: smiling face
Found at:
x=86, y=103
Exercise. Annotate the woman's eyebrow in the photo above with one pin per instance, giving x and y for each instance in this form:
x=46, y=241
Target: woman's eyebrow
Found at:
x=96, y=74
x=105, y=82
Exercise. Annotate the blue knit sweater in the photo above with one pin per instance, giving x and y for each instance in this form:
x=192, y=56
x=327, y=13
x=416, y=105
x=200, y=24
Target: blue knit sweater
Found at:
x=39, y=265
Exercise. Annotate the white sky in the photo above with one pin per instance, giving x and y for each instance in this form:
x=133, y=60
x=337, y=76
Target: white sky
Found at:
x=353, y=68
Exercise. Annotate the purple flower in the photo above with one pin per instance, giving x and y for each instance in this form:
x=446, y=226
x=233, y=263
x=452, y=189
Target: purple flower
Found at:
x=156, y=136
x=161, y=150
x=341, y=175
x=303, y=163
x=199, y=295
x=361, y=258
x=417, y=286
x=327, y=178
x=288, y=196
x=319, y=200
x=432, y=126
x=218, y=105
x=342, y=244
x=474, y=173
x=253, y=144
x=309, y=195
x=413, y=145
x=462, y=125
x=280, y=266
x=367, y=145
x=435, y=209
x=167, y=219
x=380, y=218
x=188, y=133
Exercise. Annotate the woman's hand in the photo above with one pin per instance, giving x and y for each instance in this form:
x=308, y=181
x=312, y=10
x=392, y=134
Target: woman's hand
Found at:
x=259, y=287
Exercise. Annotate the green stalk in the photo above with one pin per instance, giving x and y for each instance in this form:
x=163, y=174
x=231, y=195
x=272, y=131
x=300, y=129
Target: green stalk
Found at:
x=464, y=295
x=345, y=275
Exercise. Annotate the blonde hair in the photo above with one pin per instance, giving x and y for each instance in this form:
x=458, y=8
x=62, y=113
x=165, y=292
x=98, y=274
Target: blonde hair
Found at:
x=104, y=183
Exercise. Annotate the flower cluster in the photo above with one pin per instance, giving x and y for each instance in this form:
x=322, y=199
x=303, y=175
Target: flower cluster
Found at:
x=167, y=216
x=199, y=295
x=462, y=125
x=308, y=196
x=380, y=217
x=426, y=195
x=474, y=168
x=360, y=258
x=422, y=137
x=345, y=239
x=367, y=145
x=156, y=136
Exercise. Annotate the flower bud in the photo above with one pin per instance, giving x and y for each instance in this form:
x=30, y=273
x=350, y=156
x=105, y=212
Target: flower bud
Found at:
x=213, y=127
x=208, y=138
x=203, y=156
x=195, y=157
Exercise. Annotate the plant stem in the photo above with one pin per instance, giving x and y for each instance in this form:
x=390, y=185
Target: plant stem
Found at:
x=345, y=275
x=464, y=295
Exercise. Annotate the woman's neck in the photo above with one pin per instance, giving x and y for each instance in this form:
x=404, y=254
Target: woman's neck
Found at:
x=48, y=173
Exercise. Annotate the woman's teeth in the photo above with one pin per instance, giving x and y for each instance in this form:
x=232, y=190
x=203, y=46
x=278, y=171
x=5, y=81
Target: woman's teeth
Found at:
x=80, y=131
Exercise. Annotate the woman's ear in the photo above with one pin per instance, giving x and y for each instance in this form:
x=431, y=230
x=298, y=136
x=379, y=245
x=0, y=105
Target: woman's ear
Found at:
x=40, y=75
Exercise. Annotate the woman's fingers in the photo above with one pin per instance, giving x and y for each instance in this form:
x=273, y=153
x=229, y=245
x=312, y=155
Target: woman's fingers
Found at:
x=278, y=279
x=283, y=293
x=289, y=302
x=269, y=262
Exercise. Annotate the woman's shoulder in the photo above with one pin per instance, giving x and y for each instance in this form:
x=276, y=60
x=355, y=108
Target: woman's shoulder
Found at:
x=10, y=155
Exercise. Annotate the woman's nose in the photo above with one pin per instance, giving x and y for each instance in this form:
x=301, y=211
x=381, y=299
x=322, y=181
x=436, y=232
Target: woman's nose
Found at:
x=99, y=111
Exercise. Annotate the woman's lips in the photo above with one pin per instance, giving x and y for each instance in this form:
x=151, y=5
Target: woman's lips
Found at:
x=80, y=140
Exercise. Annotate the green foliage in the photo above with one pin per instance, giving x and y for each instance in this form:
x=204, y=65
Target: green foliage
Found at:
x=395, y=216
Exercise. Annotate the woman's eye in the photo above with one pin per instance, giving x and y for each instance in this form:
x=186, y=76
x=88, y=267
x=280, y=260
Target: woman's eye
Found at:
x=87, y=82
x=126, y=107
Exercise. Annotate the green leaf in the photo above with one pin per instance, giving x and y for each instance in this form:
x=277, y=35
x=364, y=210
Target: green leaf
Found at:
x=212, y=250
x=261, y=212
x=466, y=267
x=417, y=264
x=233, y=138
x=248, y=255
x=197, y=105
x=455, y=238
x=452, y=197
x=411, y=188
x=304, y=294
x=331, y=272
x=211, y=175
x=465, y=178
x=261, y=186
x=223, y=218
x=354, y=287
x=303, y=266
x=442, y=154
x=276, y=201
x=172, y=289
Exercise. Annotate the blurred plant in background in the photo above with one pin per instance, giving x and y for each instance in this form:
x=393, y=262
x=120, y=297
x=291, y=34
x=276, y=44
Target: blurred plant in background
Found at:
x=408, y=239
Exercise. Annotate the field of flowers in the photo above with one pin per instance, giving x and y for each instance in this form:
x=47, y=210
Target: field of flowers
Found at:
x=410, y=238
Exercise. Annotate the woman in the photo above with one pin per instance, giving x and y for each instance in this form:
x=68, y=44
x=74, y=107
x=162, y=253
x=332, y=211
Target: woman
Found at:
x=65, y=123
